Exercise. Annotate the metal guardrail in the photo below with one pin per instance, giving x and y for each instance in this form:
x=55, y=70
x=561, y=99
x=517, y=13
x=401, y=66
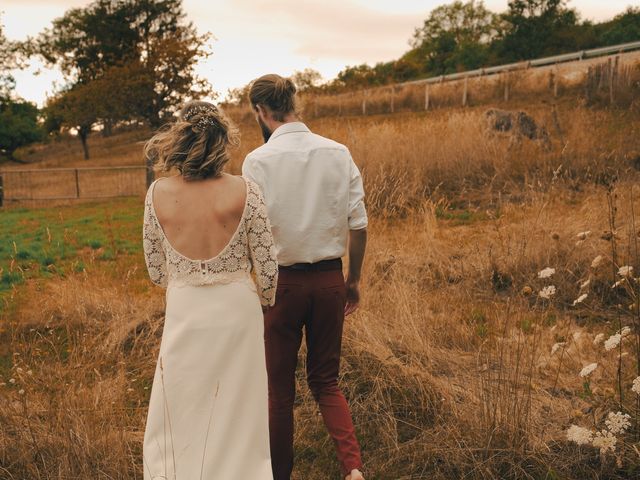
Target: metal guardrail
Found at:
x=539, y=62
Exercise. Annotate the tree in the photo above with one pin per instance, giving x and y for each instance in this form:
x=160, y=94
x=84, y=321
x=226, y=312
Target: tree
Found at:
x=148, y=37
x=7, y=63
x=76, y=108
x=454, y=37
x=307, y=80
x=536, y=28
x=18, y=125
x=623, y=28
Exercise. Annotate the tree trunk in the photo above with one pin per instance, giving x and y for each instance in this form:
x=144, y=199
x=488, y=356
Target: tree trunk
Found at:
x=83, y=133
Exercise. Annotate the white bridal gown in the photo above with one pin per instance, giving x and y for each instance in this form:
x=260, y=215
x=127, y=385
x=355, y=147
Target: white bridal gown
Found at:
x=208, y=411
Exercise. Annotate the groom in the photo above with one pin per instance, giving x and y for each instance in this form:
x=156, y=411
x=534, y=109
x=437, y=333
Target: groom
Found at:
x=315, y=201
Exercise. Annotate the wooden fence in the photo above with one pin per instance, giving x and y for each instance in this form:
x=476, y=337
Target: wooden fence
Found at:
x=73, y=183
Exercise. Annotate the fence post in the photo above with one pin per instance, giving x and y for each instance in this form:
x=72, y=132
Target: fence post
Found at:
x=77, y=184
x=465, y=92
x=150, y=174
x=393, y=95
x=1, y=191
x=506, y=86
x=426, y=96
x=364, y=102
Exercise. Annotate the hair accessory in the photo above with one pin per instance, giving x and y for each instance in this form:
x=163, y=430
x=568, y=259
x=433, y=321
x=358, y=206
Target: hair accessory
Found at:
x=208, y=119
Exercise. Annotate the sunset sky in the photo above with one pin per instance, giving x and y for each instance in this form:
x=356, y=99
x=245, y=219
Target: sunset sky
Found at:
x=254, y=37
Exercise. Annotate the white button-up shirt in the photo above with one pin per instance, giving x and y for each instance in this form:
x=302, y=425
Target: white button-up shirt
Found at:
x=313, y=191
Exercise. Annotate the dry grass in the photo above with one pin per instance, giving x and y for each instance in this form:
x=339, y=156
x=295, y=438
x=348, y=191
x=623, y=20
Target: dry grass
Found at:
x=448, y=364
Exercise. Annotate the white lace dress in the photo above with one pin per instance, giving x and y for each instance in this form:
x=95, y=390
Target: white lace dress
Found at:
x=208, y=410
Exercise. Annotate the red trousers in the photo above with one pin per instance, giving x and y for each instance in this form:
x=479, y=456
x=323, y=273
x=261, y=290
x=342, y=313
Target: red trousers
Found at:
x=313, y=300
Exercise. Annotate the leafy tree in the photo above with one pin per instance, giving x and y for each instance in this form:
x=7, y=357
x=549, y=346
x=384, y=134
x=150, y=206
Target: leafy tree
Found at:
x=7, y=63
x=76, y=108
x=454, y=37
x=18, y=125
x=148, y=37
x=306, y=80
x=623, y=28
x=536, y=28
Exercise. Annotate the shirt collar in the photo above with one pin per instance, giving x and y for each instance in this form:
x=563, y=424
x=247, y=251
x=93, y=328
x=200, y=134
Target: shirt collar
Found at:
x=289, y=127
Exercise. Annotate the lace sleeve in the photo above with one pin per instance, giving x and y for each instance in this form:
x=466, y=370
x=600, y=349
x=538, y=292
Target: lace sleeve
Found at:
x=154, y=255
x=262, y=250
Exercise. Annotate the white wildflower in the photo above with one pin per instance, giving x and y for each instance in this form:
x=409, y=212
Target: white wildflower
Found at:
x=546, y=273
x=625, y=271
x=598, y=338
x=612, y=342
x=636, y=386
x=19, y=370
x=584, y=235
x=21, y=392
x=588, y=370
x=547, y=292
x=556, y=346
x=605, y=441
x=597, y=261
x=580, y=299
x=618, y=422
x=585, y=284
x=12, y=380
x=625, y=331
x=579, y=435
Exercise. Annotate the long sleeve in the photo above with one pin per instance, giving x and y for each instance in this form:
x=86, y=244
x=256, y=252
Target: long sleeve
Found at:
x=154, y=255
x=357, y=211
x=262, y=250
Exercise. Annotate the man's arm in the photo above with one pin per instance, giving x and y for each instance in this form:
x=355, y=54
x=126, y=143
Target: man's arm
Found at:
x=357, y=247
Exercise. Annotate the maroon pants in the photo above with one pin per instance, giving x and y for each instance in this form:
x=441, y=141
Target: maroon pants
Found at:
x=313, y=300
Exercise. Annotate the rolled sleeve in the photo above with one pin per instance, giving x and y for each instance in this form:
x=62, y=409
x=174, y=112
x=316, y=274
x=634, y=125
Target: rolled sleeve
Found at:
x=357, y=211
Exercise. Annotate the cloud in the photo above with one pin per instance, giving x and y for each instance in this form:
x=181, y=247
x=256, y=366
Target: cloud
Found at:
x=339, y=29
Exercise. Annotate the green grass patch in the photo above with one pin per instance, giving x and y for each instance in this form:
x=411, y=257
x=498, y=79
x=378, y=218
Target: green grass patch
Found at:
x=46, y=242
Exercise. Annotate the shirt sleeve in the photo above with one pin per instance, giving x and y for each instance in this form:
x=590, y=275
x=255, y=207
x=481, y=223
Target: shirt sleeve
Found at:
x=154, y=255
x=249, y=170
x=357, y=211
x=262, y=249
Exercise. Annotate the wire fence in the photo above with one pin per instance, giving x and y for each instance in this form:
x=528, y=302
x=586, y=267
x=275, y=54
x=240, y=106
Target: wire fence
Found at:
x=73, y=183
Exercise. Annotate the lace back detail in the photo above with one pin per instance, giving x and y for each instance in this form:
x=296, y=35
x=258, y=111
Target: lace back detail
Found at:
x=250, y=247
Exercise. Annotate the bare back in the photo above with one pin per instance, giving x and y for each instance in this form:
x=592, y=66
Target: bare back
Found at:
x=199, y=218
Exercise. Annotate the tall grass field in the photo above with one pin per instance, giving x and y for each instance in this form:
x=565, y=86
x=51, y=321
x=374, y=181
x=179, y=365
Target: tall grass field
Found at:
x=498, y=338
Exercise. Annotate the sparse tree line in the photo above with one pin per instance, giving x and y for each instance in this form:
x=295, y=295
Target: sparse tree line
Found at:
x=132, y=61
x=465, y=35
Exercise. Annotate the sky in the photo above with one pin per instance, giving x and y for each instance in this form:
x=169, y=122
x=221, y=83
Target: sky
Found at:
x=254, y=37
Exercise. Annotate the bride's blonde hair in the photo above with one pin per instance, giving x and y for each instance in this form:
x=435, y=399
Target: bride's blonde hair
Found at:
x=196, y=144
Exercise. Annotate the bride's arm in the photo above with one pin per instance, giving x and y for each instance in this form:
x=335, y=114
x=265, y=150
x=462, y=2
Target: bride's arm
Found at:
x=154, y=255
x=262, y=250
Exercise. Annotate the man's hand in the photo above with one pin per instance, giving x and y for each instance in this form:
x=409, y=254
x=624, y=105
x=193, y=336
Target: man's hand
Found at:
x=353, y=297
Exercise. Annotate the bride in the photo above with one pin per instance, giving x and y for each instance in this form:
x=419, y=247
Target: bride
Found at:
x=204, y=232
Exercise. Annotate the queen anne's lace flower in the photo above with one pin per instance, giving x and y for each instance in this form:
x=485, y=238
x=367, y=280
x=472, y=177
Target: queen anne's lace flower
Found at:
x=636, y=386
x=556, y=346
x=617, y=422
x=598, y=338
x=580, y=299
x=547, y=292
x=612, y=342
x=584, y=235
x=597, y=261
x=546, y=273
x=625, y=271
x=624, y=331
x=579, y=435
x=588, y=370
x=605, y=441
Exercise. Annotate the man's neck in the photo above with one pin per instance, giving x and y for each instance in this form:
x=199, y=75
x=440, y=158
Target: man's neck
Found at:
x=291, y=118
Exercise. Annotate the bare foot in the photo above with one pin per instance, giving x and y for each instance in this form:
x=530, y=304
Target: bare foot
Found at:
x=355, y=475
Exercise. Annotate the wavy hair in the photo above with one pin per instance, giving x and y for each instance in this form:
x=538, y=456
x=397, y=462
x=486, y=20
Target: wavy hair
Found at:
x=196, y=144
